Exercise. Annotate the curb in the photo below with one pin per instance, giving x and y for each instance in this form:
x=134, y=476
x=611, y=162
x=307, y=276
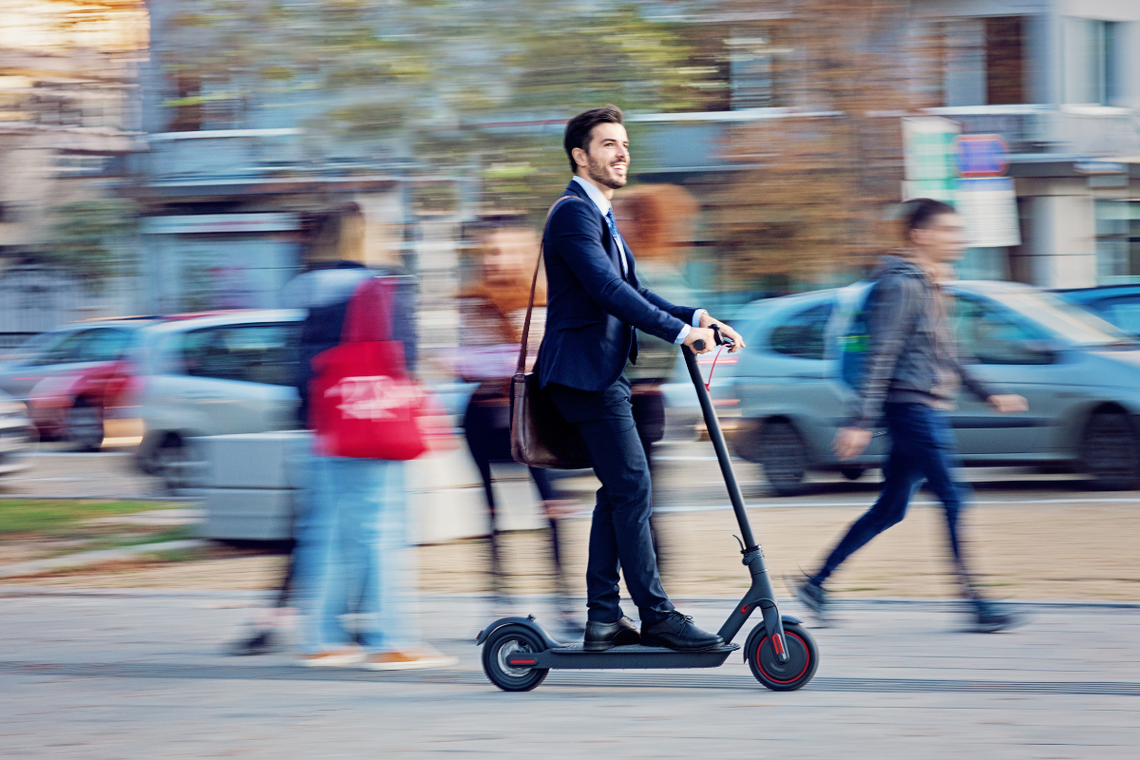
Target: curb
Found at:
x=79, y=559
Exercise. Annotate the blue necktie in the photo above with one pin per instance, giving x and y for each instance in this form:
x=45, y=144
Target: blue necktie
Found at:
x=617, y=238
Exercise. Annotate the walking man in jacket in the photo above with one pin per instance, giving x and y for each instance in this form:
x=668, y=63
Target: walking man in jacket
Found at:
x=912, y=374
x=594, y=306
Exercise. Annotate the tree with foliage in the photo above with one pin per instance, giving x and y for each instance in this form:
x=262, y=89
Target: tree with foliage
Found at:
x=87, y=240
x=424, y=80
x=813, y=205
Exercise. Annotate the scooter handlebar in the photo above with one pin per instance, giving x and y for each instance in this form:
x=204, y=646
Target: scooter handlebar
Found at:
x=699, y=344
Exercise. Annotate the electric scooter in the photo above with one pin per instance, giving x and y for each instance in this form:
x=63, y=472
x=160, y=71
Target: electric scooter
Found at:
x=518, y=653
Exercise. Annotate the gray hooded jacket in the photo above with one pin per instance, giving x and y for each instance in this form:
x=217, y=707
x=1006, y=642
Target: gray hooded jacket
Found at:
x=913, y=356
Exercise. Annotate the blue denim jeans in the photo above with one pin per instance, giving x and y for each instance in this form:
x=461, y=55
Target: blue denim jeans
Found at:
x=355, y=556
x=922, y=448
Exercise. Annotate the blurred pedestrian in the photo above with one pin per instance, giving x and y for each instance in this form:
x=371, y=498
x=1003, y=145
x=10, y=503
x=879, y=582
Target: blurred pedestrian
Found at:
x=911, y=377
x=354, y=555
x=658, y=220
x=336, y=241
x=492, y=311
x=595, y=306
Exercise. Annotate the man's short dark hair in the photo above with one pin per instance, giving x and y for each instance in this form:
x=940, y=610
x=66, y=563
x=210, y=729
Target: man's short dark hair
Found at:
x=579, y=129
x=920, y=213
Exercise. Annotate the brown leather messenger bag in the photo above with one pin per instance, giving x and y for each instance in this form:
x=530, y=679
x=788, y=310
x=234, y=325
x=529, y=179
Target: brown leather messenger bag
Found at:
x=540, y=435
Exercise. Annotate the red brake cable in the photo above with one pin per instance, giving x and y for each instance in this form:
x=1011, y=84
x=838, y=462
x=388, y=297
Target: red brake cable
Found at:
x=708, y=385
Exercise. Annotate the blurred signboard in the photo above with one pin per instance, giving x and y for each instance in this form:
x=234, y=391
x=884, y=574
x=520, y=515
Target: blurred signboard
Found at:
x=986, y=199
x=928, y=142
x=981, y=155
x=989, y=207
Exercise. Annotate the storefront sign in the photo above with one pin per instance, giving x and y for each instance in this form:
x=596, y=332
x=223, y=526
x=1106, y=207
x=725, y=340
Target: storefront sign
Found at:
x=981, y=155
x=989, y=207
x=929, y=158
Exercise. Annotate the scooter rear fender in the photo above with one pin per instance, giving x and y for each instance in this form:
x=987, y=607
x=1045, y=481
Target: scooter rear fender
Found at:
x=527, y=622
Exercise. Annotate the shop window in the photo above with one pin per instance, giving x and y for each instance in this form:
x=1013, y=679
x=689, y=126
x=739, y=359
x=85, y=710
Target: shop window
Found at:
x=1117, y=241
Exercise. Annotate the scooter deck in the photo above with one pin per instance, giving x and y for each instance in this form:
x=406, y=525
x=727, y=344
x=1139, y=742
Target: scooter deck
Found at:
x=636, y=657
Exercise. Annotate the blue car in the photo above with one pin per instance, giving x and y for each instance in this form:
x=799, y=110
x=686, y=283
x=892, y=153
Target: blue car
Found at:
x=1080, y=374
x=1118, y=304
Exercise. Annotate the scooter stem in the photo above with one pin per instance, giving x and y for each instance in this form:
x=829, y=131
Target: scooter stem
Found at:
x=722, y=456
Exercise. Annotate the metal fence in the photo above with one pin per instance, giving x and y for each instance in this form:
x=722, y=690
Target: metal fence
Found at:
x=36, y=298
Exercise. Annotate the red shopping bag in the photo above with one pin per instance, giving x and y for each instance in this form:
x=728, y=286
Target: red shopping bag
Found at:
x=364, y=405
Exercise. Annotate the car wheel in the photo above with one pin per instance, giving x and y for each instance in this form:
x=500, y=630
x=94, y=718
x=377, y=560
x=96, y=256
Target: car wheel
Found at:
x=782, y=453
x=84, y=426
x=853, y=473
x=1110, y=451
x=175, y=463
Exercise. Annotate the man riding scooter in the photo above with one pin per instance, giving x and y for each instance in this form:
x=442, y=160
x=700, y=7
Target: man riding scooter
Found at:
x=595, y=305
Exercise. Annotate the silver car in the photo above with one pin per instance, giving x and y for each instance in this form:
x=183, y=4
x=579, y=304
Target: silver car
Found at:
x=1080, y=374
x=219, y=374
x=17, y=436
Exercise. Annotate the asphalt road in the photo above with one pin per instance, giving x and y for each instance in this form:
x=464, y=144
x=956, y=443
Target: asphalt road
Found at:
x=123, y=673
x=132, y=675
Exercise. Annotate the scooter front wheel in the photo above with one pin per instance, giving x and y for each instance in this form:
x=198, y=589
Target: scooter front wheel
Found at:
x=803, y=658
x=504, y=647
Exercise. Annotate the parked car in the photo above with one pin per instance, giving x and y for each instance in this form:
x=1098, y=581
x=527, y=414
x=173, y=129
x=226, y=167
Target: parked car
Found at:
x=77, y=407
x=1118, y=304
x=17, y=436
x=1080, y=374
x=72, y=376
x=214, y=375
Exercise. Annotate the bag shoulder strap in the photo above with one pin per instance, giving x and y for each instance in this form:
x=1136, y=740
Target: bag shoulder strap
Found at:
x=533, y=283
x=369, y=313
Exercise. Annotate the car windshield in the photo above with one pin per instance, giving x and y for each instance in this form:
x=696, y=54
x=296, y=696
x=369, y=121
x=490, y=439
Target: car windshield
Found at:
x=33, y=347
x=1072, y=323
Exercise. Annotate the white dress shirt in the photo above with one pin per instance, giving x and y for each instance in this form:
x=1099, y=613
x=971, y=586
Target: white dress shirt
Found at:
x=604, y=206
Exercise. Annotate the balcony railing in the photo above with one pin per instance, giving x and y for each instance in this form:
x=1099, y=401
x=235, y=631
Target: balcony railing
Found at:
x=1083, y=130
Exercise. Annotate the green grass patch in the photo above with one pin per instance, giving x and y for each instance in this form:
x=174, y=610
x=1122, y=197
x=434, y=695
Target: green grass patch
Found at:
x=138, y=538
x=50, y=516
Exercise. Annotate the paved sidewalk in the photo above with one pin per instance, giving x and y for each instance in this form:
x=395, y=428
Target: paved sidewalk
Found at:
x=125, y=674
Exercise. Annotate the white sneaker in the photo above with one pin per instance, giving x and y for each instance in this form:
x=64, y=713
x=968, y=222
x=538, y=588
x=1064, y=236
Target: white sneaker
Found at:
x=332, y=658
x=418, y=659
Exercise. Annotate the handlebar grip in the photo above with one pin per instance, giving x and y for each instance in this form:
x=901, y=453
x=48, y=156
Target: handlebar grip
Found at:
x=720, y=339
x=698, y=345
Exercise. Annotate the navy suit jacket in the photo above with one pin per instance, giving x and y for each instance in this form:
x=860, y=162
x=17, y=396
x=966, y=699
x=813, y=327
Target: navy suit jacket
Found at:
x=591, y=310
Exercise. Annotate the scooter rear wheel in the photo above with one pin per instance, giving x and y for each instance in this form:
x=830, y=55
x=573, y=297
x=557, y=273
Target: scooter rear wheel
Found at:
x=510, y=641
x=803, y=658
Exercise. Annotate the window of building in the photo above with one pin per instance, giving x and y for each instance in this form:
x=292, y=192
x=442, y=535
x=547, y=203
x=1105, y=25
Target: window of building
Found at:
x=735, y=66
x=187, y=103
x=1117, y=241
x=983, y=60
x=760, y=66
x=1091, y=65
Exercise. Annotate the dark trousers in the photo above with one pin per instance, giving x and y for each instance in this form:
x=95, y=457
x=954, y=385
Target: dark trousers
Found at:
x=620, y=538
x=487, y=429
x=922, y=448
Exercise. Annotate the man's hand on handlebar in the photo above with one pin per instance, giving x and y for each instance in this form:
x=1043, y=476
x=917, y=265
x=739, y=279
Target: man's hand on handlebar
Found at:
x=700, y=336
x=726, y=332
